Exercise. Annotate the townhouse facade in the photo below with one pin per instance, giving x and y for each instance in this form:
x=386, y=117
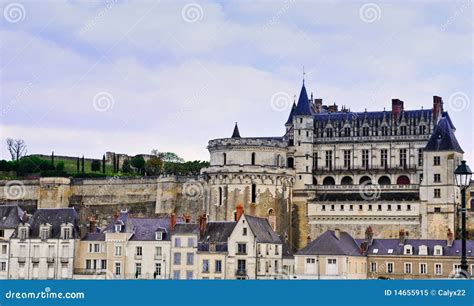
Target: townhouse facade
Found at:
x=10, y=217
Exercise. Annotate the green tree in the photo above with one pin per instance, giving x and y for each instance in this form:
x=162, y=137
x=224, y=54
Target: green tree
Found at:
x=60, y=165
x=5, y=165
x=168, y=157
x=154, y=166
x=95, y=165
x=126, y=168
x=138, y=162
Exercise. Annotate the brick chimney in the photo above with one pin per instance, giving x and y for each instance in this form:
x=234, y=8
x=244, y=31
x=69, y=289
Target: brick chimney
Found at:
x=397, y=107
x=437, y=107
x=172, y=221
x=308, y=239
x=450, y=238
x=337, y=233
x=401, y=237
x=25, y=217
x=186, y=218
x=239, y=212
x=202, y=224
x=369, y=235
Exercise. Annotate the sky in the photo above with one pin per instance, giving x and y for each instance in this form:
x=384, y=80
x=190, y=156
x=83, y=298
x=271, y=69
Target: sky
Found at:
x=84, y=77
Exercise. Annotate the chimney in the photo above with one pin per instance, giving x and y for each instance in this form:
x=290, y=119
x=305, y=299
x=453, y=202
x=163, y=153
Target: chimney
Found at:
x=397, y=107
x=450, y=239
x=202, y=224
x=363, y=247
x=437, y=107
x=239, y=212
x=401, y=237
x=337, y=233
x=369, y=236
x=115, y=216
x=172, y=221
x=308, y=239
x=187, y=218
x=25, y=217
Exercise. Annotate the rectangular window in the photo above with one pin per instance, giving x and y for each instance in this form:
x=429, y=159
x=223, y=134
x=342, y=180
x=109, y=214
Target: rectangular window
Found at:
x=244, y=231
x=4, y=249
x=373, y=267
x=118, y=250
x=177, y=242
x=407, y=268
x=103, y=264
x=189, y=259
x=139, y=251
x=329, y=132
x=176, y=274
x=329, y=160
x=205, y=266
x=437, y=178
x=403, y=130
x=158, y=251
x=436, y=160
x=97, y=248
x=438, y=269
x=365, y=158
x=190, y=242
x=384, y=131
x=3, y=266
x=218, y=267
x=177, y=258
x=403, y=157
x=242, y=248
x=118, y=269
x=189, y=274
x=365, y=131
x=2, y=233
x=241, y=266
x=390, y=267
x=422, y=268
x=437, y=193
x=138, y=269
x=347, y=159
x=383, y=157
x=158, y=269
x=315, y=161
x=420, y=157
x=254, y=193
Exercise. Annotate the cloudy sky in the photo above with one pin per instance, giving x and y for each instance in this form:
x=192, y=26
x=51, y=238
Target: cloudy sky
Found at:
x=132, y=76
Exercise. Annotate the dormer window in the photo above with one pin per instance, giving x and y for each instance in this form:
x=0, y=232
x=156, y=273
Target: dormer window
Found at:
x=66, y=232
x=438, y=250
x=212, y=247
x=159, y=235
x=45, y=231
x=118, y=228
x=23, y=232
x=423, y=250
x=408, y=250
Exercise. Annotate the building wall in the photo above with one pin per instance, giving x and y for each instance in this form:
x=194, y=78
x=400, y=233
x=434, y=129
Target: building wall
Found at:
x=348, y=267
x=4, y=252
x=149, y=259
x=211, y=257
x=184, y=249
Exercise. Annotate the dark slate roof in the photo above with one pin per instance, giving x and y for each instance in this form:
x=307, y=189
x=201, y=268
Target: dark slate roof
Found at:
x=303, y=107
x=144, y=229
x=216, y=232
x=383, y=245
x=287, y=253
x=55, y=217
x=94, y=237
x=443, y=138
x=262, y=230
x=186, y=228
x=383, y=196
x=292, y=112
x=328, y=244
x=236, y=133
x=10, y=216
x=378, y=115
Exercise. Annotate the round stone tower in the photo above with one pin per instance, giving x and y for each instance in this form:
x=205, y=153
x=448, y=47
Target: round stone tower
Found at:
x=251, y=172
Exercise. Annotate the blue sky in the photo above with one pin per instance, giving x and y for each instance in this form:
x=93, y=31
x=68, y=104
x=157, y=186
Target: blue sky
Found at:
x=132, y=76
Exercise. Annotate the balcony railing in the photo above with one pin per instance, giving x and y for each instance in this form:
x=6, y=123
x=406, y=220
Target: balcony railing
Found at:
x=64, y=259
x=50, y=259
x=138, y=256
x=358, y=187
x=35, y=259
x=241, y=272
x=90, y=271
x=158, y=257
x=21, y=259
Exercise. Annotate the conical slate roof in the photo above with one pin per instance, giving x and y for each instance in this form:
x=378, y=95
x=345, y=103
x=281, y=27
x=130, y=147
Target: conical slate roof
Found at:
x=290, y=117
x=303, y=108
x=236, y=133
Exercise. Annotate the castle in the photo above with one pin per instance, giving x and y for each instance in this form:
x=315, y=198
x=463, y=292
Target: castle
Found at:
x=390, y=169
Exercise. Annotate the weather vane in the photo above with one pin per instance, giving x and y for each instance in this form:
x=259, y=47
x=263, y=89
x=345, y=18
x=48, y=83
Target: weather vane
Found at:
x=304, y=73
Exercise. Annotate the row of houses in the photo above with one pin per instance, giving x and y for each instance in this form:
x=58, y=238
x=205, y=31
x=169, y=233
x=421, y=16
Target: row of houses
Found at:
x=48, y=245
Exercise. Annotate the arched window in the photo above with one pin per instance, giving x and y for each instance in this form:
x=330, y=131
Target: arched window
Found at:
x=365, y=180
x=291, y=163
x=277, y=161
x=346, y=180
x=329, y=180
x=403, y=180
x=224, y=158
x=270, y=212
x=315, y=181
x=253, y=159
x=384, y=180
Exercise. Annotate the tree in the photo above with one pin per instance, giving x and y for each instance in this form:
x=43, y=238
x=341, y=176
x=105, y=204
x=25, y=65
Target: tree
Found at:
x=167, y=157
x=60, y=165
x=126, y=168
x=154, y=166
x=17, y=148
x=5, y=165
x=95, y=165
x=103, y=163
x=138, y=162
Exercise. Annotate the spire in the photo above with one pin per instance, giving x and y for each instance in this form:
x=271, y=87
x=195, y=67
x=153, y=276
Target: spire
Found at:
x=236, y=133
x=290, y=117
x=303, y=108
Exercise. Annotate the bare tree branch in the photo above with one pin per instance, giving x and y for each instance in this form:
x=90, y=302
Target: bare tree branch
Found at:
x=17, y=148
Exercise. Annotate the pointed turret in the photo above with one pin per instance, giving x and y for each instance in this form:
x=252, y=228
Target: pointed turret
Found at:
x=303, y=107
x=236, y=133
x=290, y=117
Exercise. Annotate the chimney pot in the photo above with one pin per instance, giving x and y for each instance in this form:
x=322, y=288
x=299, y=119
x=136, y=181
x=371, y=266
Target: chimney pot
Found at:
x=173, y=221
x=239, y=212
x=337, y=233
x=450, y=239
